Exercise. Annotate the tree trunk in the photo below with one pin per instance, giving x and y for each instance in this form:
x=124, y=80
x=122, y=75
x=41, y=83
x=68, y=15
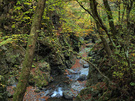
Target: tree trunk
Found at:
x=128, y=10
x=119, y=2
x=110, y=18
x=27, y=63
x=99, y=24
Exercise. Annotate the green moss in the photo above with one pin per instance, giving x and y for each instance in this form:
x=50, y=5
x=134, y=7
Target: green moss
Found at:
x=41, y=77
x=40, y=82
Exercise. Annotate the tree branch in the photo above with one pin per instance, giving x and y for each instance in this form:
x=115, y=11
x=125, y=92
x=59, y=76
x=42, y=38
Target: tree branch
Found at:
x=85, y=8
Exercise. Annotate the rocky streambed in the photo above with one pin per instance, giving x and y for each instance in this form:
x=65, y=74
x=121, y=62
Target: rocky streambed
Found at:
x=64, y=87
x=67, y=86
x=72, y=82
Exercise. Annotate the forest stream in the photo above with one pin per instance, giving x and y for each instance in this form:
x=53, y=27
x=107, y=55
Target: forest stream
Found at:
x=67, y=50
x=64, y=87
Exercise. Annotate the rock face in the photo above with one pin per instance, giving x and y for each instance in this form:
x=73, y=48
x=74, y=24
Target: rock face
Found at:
x=40, y=76
x=71, y=71
x=11, y=58
x=44, y=67
x=60, y=56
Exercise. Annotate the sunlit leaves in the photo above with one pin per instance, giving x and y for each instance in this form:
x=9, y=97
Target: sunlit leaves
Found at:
x=118, y=74
x=132, y=83
x=18, y=8
x=13, y=26
x=27, y=3
x=9, y=40
x=76, y=20
x=13, y=38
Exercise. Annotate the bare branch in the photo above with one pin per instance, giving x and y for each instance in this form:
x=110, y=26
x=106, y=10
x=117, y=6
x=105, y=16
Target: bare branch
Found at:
x=85, y=8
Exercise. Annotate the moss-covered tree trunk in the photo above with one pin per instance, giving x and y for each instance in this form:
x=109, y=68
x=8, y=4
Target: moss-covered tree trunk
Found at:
x=23, y=80
x=110, y=17
x=99, y=24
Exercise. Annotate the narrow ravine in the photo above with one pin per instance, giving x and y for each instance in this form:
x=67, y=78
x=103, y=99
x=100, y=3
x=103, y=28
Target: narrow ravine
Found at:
x=76, y=80
x=64, y=87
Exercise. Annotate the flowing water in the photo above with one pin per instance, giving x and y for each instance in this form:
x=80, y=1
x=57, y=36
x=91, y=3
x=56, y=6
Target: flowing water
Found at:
x=73, y=75
x=66, y=82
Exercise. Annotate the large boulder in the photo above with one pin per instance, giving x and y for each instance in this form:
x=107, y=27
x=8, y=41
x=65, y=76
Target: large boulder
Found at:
x=68, y=94
x=86, y=65
x=71, y=71
x=59, y=51
x=44, y=67
x=40, y=76
x=82, y=77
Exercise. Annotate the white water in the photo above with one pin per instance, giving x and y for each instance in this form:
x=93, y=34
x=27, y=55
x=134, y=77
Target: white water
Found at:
x=57, y=92
x=84, y=71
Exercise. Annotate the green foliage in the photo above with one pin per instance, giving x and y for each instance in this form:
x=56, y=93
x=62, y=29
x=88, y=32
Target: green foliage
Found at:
x=9, y=40
x=76, y=20
x=13, y=39
x=132, y=83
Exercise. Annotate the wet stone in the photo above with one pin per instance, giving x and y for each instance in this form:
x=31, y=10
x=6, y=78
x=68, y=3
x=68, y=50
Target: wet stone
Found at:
x=84, y=71
x=86, y=65
x=68, y=94
x=71, y=71
x=82, y=61
x=82, y=77
x=76, y=86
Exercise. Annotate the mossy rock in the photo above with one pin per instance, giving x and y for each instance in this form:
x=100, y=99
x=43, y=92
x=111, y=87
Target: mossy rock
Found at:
x=40, y=79
x=40, y=82
x=40, y=76
x=44, y=67
x=14, y=56
x=97, y=92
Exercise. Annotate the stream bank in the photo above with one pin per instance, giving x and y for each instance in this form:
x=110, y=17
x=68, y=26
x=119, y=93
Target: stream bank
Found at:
x=64, y=87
